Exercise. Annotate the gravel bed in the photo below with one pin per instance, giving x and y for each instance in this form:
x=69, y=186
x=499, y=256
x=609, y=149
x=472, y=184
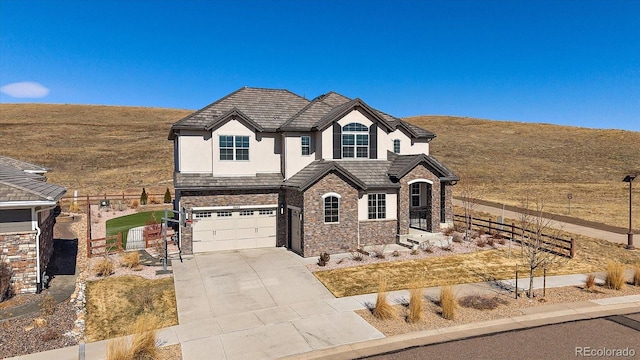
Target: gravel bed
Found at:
x=508, y=307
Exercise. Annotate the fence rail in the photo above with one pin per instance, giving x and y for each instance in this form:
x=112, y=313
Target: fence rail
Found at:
x=104, y=246
x=557, y=245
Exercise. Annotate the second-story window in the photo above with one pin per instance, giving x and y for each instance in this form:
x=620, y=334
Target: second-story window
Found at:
x=396, y=146
x=306, y=144
x=355, y=141
x=234, y=147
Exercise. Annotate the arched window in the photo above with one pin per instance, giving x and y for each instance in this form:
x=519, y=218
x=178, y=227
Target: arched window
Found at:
x=355, y=141
x=331, y=208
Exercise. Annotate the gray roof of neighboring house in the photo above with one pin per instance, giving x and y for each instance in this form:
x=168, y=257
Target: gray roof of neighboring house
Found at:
x=22, y=165
x=18, y=185
x=210, y=182
x=274, y=110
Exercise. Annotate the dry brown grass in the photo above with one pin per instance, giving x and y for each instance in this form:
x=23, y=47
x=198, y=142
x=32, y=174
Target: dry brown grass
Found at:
x=383, y=310
x=91, y=148
x=130, y=260
x=558, y=160
x=615, y=277
x=636, y=274
x=112, y=305
x=141, y=346
x=103, y=267
x=415, y=305
x=448, y=302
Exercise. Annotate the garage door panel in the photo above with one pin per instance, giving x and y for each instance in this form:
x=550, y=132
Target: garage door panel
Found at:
x=246, y=243
x=265, y=221
x=249, y=233
x=269, y=241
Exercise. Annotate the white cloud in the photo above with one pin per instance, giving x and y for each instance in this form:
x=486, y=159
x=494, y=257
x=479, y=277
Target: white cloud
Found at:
x=25, y=89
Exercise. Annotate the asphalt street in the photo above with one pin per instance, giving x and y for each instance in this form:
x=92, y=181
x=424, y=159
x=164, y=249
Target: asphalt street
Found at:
x=611, y=337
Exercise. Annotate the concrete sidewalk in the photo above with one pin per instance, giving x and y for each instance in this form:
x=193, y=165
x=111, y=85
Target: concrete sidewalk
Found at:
x=568, y=227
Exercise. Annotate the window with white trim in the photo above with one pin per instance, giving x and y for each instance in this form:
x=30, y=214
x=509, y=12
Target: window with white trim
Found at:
x=246, y=213
x=202, y=214
x=265, y=212
x=377, y=204
x=396, y=146
x=306, y=144
x=355, y=141
x=223, y=214
x=415, y=194
x=234, y=147
x=331, y=209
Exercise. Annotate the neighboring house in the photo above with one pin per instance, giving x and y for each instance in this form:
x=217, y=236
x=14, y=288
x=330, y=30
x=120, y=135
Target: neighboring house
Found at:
x=27, y=204
x=265, y=168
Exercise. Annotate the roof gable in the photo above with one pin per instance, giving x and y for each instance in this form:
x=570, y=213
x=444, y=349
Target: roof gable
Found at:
x=340, y=111
x=318, y=169
x=18, y=185
x=234, y=114
x=401, y=165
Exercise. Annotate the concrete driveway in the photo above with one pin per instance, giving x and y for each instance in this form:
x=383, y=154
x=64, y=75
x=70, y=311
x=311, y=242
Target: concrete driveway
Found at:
x=259, y=304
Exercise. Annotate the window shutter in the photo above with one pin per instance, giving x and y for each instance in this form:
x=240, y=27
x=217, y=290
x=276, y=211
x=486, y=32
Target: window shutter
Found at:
x=337, y=141
x=373, y=141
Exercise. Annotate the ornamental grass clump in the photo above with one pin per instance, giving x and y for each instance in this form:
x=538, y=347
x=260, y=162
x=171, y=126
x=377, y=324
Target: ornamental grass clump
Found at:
x=448, y=302
x=590, y=282
x=615, y=278
x=415, y=305
x=636, y=274
x=383, y=310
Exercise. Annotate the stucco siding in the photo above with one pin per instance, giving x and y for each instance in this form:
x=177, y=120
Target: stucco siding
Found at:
x=195, y=151
x=407, y=147
x=295, y=161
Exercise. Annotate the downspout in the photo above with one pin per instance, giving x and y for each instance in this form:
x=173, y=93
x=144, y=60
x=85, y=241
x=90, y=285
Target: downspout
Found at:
x=38, y=233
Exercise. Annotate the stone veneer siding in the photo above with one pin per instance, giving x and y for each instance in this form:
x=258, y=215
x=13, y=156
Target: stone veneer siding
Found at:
x=332, y=238
x=419, y=172
x=378, y=232
x=293, y=198
x=191, y=199
x=19, y=250
x=448, y=199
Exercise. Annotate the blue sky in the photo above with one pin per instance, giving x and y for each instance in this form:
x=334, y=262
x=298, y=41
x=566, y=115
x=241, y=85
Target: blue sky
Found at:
x=562, y=62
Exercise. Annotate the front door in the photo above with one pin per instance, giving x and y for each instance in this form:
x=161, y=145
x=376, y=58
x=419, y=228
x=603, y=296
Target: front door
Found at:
x=295, y=242
x=420, y=206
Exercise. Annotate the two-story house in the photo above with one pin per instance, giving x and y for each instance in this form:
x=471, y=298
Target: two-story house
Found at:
x=266, y=167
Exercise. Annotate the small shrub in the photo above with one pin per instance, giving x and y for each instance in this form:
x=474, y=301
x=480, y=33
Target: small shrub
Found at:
x=457, y=238
x=414, y=252
x=491, y=242
x=590, y=282
x=615, y=278
x=448, y=302
x=481, y=232
x=323, y=259
x=74, y=207
x=383, y=310
x=143, y=301
x=167, y=196
x=6, y=290
x=481, y=302
x=50, y=334
x=134, y=204
x=395, y=253
x=153, y=200
x=636, y=274
x=481, y=242
x=144, y=197
x=415, y=305
x=448, y=231
x=378, y=251
x=357, y=255
x=427, y=246
x=502, y=241
x=143, y=343
x=104, y=267
x=48, y=305
x=130, y=260
x=497, y=235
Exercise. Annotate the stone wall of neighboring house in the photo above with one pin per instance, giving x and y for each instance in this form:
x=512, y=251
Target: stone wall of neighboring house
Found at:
x=419, y=172
x=19, y=249
x=448, y=199
x=190, y=199
x=335, y=237
x=378, y=232
x=290, y=197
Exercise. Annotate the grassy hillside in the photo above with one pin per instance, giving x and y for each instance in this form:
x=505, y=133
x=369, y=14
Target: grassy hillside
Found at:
x=509, y=158
x=100, y=149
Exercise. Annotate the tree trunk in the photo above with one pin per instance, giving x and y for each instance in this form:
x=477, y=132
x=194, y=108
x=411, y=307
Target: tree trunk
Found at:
x=531, y=270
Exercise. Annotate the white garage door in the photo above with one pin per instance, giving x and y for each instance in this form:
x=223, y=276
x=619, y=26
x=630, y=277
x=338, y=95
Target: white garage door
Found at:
x=233, y=229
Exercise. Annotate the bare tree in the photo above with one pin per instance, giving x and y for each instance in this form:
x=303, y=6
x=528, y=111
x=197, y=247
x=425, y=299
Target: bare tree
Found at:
x=471, y=192
x=538, y=249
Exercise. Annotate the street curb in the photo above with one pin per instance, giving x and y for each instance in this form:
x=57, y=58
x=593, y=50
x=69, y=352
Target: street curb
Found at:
x=466, y=331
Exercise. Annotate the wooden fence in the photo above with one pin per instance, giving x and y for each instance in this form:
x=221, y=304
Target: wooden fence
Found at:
x=124, y=199
x=557, y=245
x=104, y=246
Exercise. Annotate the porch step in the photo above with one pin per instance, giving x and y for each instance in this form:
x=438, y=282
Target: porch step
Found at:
x=407, y=244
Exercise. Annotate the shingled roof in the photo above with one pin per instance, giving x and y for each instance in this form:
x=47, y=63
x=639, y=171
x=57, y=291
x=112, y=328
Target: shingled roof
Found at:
x=274, y=110
x=402, y=164
x=210, y=182
x=18, y=184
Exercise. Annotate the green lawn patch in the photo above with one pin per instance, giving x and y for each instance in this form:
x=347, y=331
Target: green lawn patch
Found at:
x=124, y=223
